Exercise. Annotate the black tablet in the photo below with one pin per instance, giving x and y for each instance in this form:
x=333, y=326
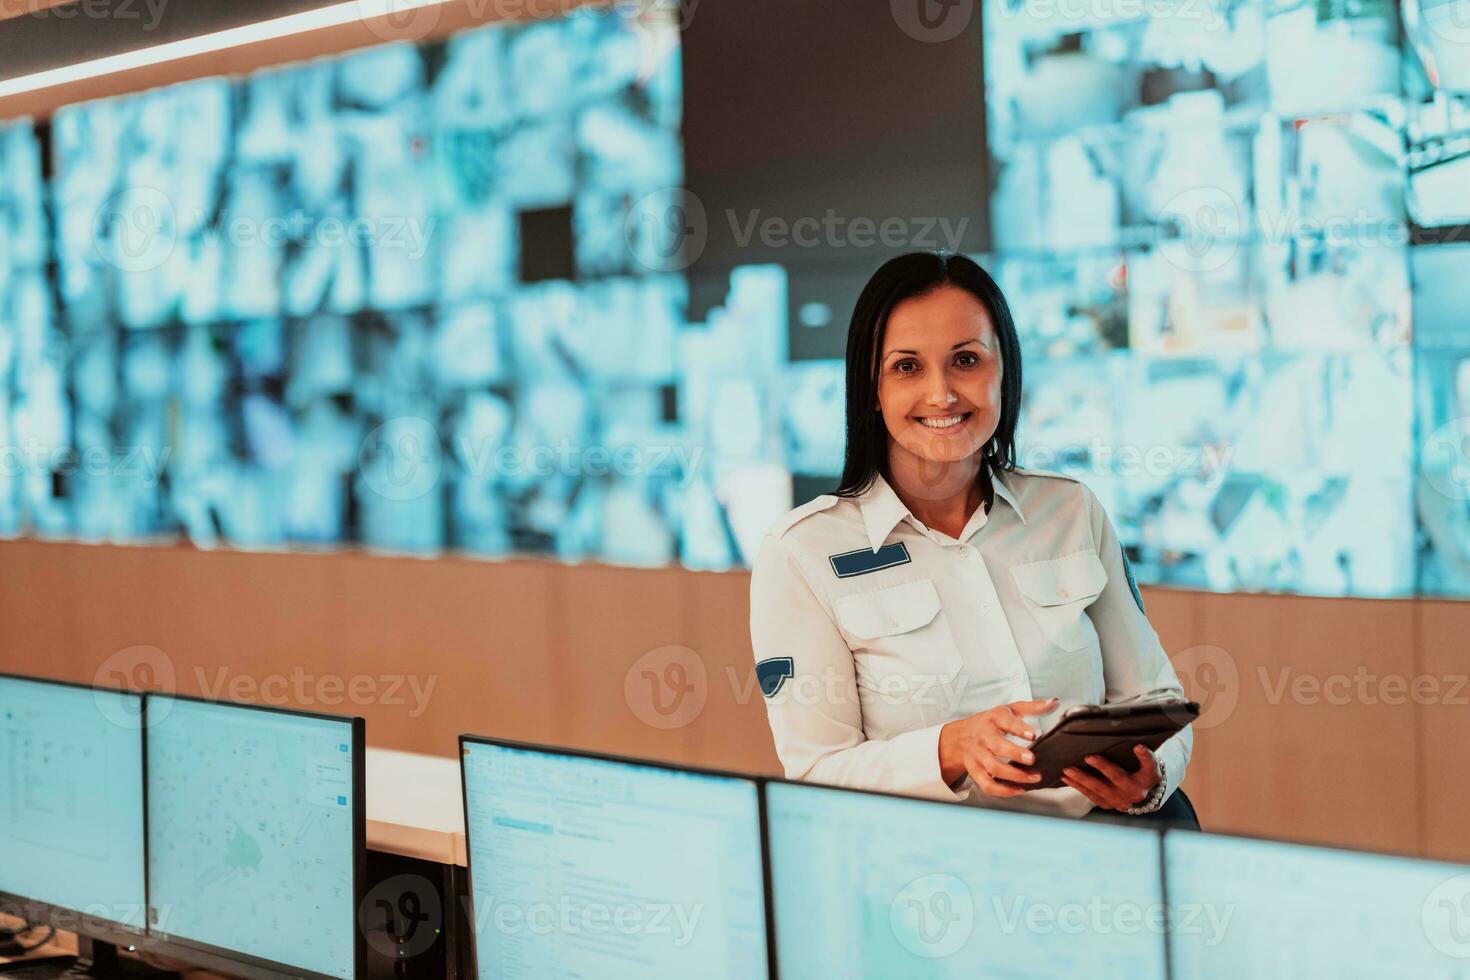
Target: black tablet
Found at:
x=1108, y=730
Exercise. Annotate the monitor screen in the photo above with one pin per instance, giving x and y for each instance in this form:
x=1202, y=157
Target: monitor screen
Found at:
x=865, y=885
x=71, y=798
x=252, y=846
x=583, y=867
x=1265, y=909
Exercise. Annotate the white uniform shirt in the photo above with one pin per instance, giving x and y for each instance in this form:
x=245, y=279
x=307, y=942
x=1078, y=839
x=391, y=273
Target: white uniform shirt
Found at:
x=871, y=631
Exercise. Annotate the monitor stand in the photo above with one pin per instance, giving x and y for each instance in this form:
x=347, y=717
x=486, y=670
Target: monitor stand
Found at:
x=95, y=960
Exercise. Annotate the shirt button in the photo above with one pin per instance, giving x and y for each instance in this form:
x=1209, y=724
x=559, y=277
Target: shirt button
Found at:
x=985, y=607
x=1062, y=593
x=965, y=551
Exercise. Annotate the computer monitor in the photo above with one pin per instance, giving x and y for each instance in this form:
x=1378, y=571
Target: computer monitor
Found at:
x=256, y=838
x=872, y=885
x=1264, y=909
x=71, y=807
x=588, y=866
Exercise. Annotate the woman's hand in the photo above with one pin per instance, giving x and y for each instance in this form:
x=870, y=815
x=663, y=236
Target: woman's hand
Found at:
x=978, y=745
x=1118, y=790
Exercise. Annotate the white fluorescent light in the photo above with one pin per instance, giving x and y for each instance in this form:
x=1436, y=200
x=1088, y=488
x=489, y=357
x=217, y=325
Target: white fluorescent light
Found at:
x=311, y=20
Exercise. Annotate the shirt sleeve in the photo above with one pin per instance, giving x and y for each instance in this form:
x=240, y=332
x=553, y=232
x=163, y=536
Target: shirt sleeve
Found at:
x=812, y=701
x=1134, y=661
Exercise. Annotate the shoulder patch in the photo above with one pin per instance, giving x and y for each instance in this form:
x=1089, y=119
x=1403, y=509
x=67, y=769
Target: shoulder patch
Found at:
x=1132, y=585
x=772, y=672
x=805, y=510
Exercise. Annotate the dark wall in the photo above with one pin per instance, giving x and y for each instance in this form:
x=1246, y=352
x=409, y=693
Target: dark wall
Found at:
x=795, y=107
x=81, y=31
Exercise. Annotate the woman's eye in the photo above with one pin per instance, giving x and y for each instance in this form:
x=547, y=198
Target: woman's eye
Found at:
x=906, y=366
x=967, y=359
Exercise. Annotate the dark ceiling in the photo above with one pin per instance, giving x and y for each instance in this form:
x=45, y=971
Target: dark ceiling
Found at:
x=84, y=30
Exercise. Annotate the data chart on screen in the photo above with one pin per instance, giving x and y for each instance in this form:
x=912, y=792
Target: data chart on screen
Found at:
x=71, y=798
x=250, y=832
x=586, y=867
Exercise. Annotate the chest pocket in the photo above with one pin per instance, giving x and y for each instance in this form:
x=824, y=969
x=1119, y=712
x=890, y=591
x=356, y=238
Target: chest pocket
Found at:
x=901, y=641
x=1058, y=591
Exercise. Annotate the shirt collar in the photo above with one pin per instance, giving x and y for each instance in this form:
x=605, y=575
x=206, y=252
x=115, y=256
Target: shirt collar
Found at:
x=882, y=509
x=1004, y=491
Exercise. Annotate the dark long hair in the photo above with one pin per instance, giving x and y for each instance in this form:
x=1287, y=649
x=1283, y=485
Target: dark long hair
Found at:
x=896, y=280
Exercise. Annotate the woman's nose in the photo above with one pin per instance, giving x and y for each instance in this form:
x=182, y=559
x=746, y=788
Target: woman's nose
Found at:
x=940, y=394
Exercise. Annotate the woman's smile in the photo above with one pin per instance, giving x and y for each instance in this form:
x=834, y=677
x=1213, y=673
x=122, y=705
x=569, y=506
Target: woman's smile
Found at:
x=943, y=421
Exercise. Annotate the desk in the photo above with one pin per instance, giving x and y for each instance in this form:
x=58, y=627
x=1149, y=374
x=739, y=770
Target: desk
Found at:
x=414, y=806
x=65, y=944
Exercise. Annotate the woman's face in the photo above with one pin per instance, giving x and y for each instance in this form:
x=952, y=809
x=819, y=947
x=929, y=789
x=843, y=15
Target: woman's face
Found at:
x=939, y=375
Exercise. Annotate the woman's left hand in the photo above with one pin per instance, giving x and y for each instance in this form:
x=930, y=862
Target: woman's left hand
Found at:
x=1118, y=790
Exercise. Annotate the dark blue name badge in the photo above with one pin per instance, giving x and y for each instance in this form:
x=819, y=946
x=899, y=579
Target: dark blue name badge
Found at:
x=864, y=560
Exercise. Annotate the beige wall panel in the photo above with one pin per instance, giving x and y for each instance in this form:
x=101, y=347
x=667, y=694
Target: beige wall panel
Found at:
x=1444, y=764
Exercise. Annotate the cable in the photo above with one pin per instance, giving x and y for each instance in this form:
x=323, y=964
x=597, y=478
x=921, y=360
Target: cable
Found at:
x=50, y=935
x=11, y=945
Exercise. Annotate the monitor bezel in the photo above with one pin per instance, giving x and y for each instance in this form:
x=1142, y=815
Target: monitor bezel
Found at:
x=756, y=781
x=42, y=913
x=238, y=963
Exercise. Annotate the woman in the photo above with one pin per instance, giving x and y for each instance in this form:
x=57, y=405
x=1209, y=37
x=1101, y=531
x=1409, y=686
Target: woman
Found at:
x=916, y=629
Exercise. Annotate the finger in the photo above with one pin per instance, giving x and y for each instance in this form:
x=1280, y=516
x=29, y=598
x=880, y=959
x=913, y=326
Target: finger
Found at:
x=1088, y=792
x=988, y=783
x=1128, y=787
x=1009, y=721
x=1097, y=790
x=1008, y=751
x=1111, y=772
x=990, y=787
x=1148, y=766
x=1132, y=787
x=1033, y=707
x=1085, y=791
x=1000, y=770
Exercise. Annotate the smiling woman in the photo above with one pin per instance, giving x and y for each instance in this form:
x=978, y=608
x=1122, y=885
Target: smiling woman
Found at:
x=912, y=636
x=933, y=382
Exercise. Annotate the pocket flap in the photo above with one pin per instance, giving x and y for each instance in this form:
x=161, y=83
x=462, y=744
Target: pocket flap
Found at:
x=1050, y=583
x=896, y=609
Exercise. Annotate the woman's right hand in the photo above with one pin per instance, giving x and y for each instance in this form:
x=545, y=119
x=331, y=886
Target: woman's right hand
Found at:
x=978, y=746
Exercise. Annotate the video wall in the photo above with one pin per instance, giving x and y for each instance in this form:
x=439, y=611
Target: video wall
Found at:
x=1231, y=232
x=420, y=299
x=411, y=298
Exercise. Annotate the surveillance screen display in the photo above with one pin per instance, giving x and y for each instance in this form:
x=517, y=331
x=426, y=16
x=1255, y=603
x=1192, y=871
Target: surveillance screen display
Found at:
x=1213, y=256
x=1280, y=911
x=1442, y=407
x=251, y=843
x=1190, y=123
x=413, y=298
x=1437, y=52
x=875, y=886
x=592, y=868
x=71, y=799
x=428, y=298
